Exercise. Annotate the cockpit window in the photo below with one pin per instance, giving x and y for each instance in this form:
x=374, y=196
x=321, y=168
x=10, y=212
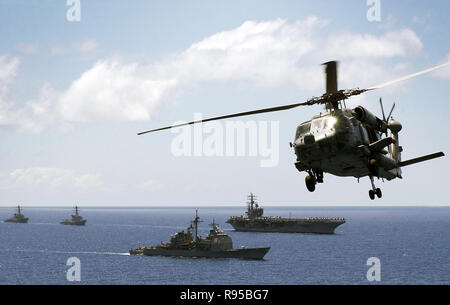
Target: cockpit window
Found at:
x=330, y=122
x=323, y=124
x=303, y=129
x=316, y=125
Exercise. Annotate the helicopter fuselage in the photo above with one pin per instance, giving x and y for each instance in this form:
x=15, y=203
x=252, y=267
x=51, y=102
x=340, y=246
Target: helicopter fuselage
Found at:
x=338, y=143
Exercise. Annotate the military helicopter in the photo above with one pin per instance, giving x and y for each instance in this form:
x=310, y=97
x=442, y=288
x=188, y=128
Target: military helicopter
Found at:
x=343, y=142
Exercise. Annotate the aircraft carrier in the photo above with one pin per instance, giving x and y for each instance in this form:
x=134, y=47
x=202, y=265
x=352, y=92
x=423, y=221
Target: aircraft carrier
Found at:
x=254, y=221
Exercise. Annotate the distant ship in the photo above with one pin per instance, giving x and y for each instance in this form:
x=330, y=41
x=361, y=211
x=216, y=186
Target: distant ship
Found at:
x=76, y=220
x=188, y=244
x=254, y=221
x=18, y=217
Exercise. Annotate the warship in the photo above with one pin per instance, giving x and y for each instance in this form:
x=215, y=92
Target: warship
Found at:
x=18, y=217
x=254, y=221
x=189, y=244
x=76, y=220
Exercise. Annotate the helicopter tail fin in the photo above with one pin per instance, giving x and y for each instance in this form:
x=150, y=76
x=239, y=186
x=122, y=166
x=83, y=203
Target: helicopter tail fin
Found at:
x=421, y=159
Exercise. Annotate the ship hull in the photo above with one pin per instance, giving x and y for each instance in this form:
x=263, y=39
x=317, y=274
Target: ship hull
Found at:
x=243, y=253
x=283, y=225
x=72, y=223
x=24, y=220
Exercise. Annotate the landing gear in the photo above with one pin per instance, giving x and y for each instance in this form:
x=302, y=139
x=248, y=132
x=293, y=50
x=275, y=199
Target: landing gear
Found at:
x=372, y=167
x=374, y=191
x=378, y=193
x=314, y=177
x=310, y=182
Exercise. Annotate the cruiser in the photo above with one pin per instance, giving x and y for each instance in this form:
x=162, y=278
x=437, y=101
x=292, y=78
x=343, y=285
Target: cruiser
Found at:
x=188, y=244
x=76, y=220
x=254, y=221
x=18, y=217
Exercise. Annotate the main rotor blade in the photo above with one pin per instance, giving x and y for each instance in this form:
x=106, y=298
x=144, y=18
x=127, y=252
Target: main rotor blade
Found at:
x=408, y=77
x=329, y=97
x=272, y=109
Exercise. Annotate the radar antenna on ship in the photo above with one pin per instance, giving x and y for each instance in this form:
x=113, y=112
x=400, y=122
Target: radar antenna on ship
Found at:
x=195, y=222
x=213, y=224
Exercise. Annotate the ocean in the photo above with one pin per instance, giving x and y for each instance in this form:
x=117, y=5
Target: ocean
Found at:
x=411, y=243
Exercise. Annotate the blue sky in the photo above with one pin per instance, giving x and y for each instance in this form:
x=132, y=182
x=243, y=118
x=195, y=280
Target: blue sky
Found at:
x=73, y=95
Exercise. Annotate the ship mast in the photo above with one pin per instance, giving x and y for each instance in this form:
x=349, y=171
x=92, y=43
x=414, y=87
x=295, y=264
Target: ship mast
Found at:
x=76, y=210
x=196, y=221
x=18, y=209
x=252, y=198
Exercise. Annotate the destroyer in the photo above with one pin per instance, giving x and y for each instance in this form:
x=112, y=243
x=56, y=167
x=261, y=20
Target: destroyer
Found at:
x=76, y=219
x=189, y=244
x=18, y=217
x=254, y=221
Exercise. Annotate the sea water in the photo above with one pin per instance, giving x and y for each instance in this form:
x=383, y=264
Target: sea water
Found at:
x=411, y=243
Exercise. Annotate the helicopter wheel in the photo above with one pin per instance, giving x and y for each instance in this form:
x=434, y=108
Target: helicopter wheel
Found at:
x=372, y=194
x=310, y=183
x=378, y=193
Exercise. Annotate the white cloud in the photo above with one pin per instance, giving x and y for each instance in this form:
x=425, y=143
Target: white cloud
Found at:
x=89, y=181
x=111, y=90
x=401, y=43
x=265, y=54
x=50, y=177
x=84, y=46
x=151, y=185
x=423, y=19
x=28, y=48
x=8, y=70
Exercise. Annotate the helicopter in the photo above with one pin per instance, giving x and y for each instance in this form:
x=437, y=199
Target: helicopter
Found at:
x=343, y=142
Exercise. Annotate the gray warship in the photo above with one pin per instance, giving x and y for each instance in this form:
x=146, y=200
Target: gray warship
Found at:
x=76, y=220
x=189, y=244
x=18, y=217
x=254, y=221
